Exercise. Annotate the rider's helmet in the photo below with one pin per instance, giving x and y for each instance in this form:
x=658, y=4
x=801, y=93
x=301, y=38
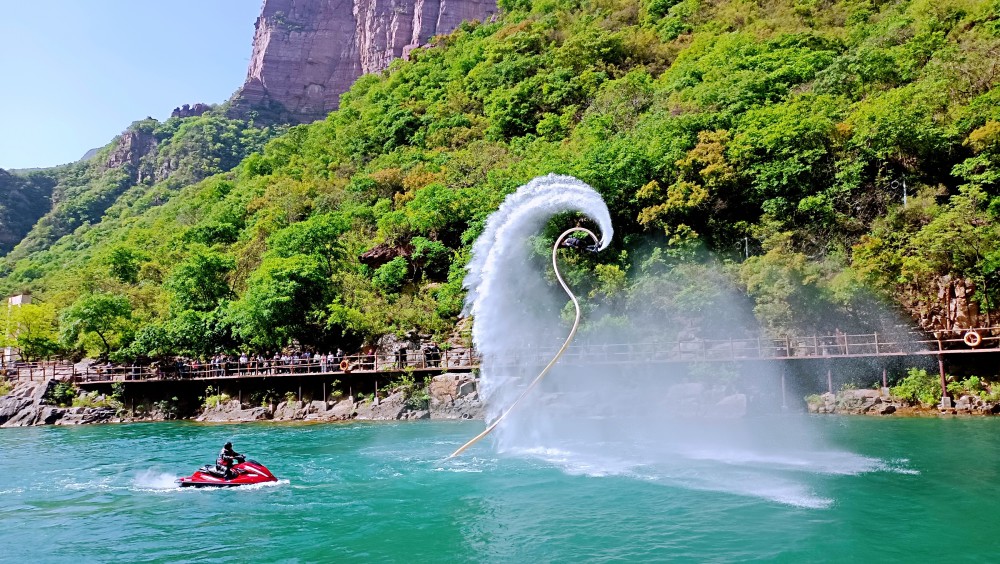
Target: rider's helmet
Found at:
x=229, y=445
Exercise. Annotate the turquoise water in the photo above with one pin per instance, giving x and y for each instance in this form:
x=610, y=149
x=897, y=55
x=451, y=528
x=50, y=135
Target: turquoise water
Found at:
x=383, y=492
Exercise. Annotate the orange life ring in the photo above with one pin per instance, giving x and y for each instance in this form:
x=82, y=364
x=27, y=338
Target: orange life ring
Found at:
x=972, y=339
x=344, y=365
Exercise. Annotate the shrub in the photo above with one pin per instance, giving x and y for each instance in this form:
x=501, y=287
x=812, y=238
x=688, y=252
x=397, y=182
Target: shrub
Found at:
x=169, y=407
x=61, y=394
x=264, y=398
x=92, y=399
x=389, y=277
x=213, y=400
x=918, y=386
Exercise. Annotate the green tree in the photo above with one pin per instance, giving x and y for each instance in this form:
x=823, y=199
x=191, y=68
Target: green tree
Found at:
x=33, y=330
x=104, y=315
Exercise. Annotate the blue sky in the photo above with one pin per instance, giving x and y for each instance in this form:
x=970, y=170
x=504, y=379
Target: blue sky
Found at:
x=75, y=73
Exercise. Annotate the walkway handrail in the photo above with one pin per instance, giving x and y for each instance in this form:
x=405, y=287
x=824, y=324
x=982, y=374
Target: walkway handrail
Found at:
x=684, y=350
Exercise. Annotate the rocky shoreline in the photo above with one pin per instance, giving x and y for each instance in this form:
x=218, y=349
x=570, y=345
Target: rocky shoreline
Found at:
x=880, y=402
x=448, y=396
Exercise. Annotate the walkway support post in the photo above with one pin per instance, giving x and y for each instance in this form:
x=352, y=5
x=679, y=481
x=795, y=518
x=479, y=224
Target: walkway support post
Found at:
x=784, y=404
x=945, y=400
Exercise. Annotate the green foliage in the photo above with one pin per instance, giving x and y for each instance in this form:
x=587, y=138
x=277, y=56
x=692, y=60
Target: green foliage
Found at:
x=389, y=277
x=199, y=283
x=768, y=136
x=918, y=387
x=168, y=408
x=118, y=391
x=25, y=199
x=6, y=386
x=263, y=398
x=93, y=399
x=124, y=264
x=215, y=399
x=103, y=315
x=32, y=328
x=61, y=394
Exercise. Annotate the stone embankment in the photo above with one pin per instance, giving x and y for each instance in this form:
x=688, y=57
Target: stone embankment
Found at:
x=880, y=402
x=450, y=396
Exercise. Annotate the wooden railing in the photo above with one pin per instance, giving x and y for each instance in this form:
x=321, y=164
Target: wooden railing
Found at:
x=356, y=363
x=694, y=350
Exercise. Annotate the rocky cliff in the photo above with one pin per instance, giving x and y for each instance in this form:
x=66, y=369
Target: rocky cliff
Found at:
x=306, y=53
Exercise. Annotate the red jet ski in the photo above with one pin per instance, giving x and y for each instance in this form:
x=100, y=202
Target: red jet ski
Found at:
x=243, y=473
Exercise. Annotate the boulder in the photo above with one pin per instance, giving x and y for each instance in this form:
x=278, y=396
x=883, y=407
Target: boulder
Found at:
x=233, y=411
x=85, y=416
x=342, y=410
x=454, y=396
x=21, y=407
x=290, y=411
x=317, y=407
x=390, y=408
x=467, y=407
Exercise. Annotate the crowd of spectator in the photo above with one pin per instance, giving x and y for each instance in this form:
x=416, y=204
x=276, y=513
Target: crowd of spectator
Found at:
x=278, y=363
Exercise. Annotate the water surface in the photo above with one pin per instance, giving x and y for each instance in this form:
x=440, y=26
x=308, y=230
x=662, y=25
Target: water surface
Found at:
x=384, y=492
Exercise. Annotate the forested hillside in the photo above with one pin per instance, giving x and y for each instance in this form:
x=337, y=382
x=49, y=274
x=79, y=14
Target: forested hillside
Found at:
x=758, y=148
x=23, y=199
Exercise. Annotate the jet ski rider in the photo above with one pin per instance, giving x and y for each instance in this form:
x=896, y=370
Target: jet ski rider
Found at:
x=226, y=458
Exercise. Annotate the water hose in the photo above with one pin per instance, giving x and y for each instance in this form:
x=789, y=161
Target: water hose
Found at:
x=562, y=349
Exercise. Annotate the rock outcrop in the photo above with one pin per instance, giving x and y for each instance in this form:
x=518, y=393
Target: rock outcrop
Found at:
x=188, y=110
x=454, y=396
x=20, y=407
x=25, y=406
x=131, y=147
x=306, y=53
x=854, y=402
x=233, y=411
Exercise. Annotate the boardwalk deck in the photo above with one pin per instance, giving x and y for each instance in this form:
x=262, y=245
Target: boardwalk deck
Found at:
x=840, y=346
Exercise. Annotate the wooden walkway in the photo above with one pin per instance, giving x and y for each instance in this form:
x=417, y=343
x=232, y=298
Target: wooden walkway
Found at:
x=422, y=363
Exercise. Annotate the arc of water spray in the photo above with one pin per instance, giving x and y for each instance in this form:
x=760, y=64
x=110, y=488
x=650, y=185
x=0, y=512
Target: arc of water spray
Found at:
x=562, y=349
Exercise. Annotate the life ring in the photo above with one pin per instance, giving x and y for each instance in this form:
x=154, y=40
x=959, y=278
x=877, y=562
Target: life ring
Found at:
x=344, y=365
x=972, y=339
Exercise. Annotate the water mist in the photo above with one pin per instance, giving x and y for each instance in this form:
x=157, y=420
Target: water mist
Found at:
x=645, y=421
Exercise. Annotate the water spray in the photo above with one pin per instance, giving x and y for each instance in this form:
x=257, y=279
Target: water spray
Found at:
x=562, y=240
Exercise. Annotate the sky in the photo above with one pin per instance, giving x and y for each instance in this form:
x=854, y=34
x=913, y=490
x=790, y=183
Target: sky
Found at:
x=75, y=73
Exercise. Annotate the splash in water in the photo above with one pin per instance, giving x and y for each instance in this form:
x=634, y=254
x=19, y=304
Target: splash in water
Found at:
x=623, y=420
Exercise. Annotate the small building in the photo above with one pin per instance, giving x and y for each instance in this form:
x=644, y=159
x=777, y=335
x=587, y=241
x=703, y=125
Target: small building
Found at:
x=11, y=354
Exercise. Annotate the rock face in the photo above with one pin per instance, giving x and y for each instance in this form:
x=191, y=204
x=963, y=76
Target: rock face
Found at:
x=306, y=53
x=233, y=411
x=25, y=406
x=853, y=402
x=455, y=396
x=188, y=110
x=132, y=146
x=20, y=407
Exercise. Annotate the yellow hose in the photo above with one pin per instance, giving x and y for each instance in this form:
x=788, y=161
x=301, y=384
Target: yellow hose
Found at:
x=562, y=349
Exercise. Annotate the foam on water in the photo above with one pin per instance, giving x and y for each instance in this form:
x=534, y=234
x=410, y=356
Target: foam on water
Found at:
x=151, y=479
x=612, y=421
